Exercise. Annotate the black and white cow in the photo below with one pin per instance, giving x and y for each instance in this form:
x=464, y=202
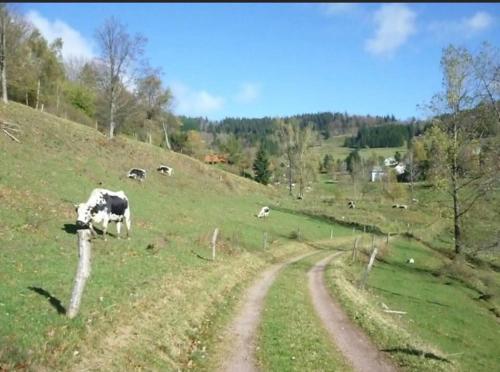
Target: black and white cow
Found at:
x=351, y=204
x=165, y=170
x=104, y=206
x=137, y=174
x=264, y=212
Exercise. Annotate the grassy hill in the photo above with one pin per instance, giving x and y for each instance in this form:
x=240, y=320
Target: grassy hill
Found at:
x=156, y=286
x=157, y=301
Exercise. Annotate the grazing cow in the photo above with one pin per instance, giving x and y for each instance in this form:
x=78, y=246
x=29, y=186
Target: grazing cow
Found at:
x=104, y=206
x=163, y=169
x=264, y=212
x=401, y=206
x=137, y=174
x=410, y=261
x=351, y=204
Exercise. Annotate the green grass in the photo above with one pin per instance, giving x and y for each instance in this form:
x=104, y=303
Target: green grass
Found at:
x=335, y=147
x=57, y=164
x=444, y=318
x=291, y=336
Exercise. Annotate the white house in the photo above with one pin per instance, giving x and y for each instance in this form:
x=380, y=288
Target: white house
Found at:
x=377, y=174
x=390, y=162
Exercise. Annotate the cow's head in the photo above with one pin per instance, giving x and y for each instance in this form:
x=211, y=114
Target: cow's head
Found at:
x=83, y=215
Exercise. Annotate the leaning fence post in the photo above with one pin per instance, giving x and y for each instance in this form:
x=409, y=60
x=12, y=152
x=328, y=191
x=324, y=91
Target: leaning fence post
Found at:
x=214, y=241
x=368, y=268
x=354, y=249
x=82, y=273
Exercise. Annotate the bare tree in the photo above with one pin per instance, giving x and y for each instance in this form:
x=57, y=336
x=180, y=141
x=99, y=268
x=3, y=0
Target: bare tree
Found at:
x=296, y=143
x=119, y=52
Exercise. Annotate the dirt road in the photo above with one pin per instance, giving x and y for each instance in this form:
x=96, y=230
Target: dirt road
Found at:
x=351, y=341
x=242, y=330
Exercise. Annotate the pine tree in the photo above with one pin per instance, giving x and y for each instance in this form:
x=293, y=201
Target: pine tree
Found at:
x=261, y=167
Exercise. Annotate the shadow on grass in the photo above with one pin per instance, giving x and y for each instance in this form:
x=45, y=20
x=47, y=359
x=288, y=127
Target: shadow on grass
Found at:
x=200, y=256
x=330, y=219
x=416, y=299
x=416, y=352
x=70, y=228
x=55, y=302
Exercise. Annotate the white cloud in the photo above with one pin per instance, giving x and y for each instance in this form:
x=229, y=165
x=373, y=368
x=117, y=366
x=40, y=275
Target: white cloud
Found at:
x=465, y=27
x=479, y=21
x=248, y=93
x=395, y=24
x=74, y=44
x=338, y=8
x=188, y=101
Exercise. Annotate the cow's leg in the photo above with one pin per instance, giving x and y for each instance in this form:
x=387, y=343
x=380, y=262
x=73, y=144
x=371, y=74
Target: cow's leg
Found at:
x=127, y=222
x=105, y=228
x=118, y=228
x=92, y=229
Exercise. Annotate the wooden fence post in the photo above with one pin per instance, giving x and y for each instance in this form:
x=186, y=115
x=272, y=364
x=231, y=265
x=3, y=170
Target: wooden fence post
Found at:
x=331, y=234
x=82, y=273
x=355, y=249
x=214, y=241
x=368, y=268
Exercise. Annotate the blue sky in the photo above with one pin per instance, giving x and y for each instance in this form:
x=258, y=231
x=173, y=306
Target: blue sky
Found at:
x=265, y=59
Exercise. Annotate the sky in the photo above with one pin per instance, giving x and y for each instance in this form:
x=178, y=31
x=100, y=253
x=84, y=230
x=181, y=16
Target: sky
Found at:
x=279, y=59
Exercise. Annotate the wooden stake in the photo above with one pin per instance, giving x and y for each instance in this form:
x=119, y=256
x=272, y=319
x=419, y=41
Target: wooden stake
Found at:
x=82, y=273
x=355, y=249
x=11, y=136
x=214, y=241
x=368, y=268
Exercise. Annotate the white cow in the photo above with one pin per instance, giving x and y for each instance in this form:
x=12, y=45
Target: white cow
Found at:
x=165, y=170
x=104, y=206
x=137, y=174
x=264, y=212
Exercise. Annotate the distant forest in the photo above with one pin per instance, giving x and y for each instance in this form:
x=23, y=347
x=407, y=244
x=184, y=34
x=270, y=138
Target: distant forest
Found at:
x=383, y=136
x=255, y=130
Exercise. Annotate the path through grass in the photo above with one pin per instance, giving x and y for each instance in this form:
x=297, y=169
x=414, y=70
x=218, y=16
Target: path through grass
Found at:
x=291, y=336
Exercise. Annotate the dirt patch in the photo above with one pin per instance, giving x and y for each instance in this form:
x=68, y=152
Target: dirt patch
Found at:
x=351, y=341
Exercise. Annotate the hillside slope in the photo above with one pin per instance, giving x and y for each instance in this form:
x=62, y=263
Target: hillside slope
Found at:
x=147, y=297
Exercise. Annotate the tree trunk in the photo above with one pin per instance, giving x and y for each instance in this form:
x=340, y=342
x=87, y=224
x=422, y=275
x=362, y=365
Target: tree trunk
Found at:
x=57, y=98
x=2, y=60
x=456, y=202
x=83, y=271
x=167, y=142
x=37, y=94
x=112, y=110
x=457, y=231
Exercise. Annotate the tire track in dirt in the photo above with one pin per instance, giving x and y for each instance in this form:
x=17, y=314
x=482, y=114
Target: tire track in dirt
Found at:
x=350, y=339
x=242, y=330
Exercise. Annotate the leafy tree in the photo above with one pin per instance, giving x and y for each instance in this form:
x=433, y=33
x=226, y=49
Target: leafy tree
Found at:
x=352, y=160
x=459, y=124
x=397, y=156
x=328, y=164
x=261, y=167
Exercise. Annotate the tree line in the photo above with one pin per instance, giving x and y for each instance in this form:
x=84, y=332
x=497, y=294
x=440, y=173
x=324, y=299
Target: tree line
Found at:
x=115, y=92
